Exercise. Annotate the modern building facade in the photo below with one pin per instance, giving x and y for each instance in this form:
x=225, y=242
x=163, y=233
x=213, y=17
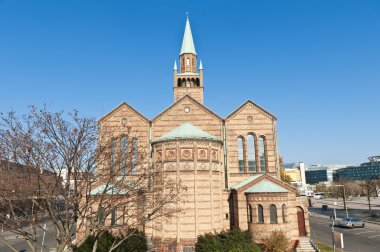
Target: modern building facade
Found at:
x=228, y=164
x=366, y=171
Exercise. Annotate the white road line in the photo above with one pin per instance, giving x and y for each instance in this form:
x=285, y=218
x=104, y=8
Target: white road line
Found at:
x=369, y=237
x=365, y=232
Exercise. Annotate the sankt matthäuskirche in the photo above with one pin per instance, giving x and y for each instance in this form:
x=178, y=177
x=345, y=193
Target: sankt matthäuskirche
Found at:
x=229, y=164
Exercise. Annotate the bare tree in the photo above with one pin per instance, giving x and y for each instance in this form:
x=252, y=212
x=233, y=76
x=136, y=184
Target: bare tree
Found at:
x=369, y=187
x=78, y=178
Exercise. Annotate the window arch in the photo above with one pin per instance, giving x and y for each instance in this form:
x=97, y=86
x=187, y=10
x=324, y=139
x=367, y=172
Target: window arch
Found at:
x=113, y=156
x=241, y=154
x=250, y=213
x=273, y=214
x=283, y=213
x=262, y=154
x=134, y=156
x=260, y=214
x=123, y=155
x=251, y=153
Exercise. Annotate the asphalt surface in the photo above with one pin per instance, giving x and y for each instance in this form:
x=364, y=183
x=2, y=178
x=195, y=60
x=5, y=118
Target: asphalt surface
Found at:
x=365, y=239
x=20, y=243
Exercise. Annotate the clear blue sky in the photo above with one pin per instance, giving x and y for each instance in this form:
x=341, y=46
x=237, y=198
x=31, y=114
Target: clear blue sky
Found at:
x=314, y=64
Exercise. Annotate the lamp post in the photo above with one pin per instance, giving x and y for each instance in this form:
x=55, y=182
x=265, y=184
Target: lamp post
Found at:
x=344, y=199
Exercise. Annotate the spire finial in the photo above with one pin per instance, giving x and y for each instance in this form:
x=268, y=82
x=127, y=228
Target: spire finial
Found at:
x=175, y=65
x=200, y=65
x=187, y=14
x=187, y=42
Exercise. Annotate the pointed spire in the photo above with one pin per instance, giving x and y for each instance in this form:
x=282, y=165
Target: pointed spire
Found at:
x=175, y=65
x=187, y=42
x=200, y=65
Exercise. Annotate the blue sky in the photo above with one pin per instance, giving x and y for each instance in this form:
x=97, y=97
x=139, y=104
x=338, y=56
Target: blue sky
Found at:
x=314, y=64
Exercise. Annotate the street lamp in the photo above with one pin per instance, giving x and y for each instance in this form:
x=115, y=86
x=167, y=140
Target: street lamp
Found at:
x=344, y=199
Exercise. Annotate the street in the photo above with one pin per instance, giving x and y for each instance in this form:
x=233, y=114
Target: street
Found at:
x=365, y=239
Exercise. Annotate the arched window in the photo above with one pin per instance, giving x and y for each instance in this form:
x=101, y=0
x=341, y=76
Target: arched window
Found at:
x=283, y=213
x=197, y=81
x=123, y=154
x=113, y=156
x=187, y=62
x=134, y=156
x=192, y=82
x=101, y=216
x=241, y=154
x=113, y=216
x=249, y=213
x=273, y=214
x=179, y=84
x=260, y=214
x=262, y=154
x=251, y=153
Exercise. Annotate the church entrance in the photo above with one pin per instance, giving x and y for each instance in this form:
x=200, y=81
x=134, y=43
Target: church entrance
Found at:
x=301, y=222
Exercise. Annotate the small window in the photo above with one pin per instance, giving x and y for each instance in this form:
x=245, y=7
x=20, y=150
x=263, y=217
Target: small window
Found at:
x=283, y=213
x=113, y=217
x=249, y=213
x=101, y=216
x=273, y=214
x=188, y=62
x=260, y=213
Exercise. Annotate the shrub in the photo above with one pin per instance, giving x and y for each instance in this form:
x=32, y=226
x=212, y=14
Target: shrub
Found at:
x=276, y=242
x=135, y=243
x=226, y=241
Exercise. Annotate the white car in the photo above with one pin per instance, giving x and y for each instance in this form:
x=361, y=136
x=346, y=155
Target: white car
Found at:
x=351, y=222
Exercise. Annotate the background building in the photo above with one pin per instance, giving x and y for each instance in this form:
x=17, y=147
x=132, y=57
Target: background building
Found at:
x=366, y=171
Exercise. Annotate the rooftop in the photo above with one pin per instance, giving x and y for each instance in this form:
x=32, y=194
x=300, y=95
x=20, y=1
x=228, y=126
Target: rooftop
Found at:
x=187, y=131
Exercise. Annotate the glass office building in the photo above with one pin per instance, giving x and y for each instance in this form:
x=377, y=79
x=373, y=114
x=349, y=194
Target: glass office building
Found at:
x=366, y=171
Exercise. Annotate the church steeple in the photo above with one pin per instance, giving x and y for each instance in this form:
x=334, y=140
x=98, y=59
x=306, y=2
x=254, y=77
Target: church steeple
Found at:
x=188, y=80
x=188, y=42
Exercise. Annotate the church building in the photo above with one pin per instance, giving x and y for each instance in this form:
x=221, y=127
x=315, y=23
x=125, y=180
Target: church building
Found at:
x=229, y=164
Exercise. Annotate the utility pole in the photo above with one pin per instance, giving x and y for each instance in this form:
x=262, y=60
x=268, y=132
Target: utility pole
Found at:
x=344, y=199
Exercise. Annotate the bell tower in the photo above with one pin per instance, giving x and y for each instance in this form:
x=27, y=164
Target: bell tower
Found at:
x=188, y=80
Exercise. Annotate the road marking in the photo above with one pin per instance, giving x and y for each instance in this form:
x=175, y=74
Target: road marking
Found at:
x=365, y=232
x=369, y=237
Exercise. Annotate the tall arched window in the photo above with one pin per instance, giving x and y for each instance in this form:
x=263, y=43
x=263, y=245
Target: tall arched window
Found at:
x=283, y=213
x=113, y=156
x=251, y=153
x=262, y=154
x=241, y=154
x=273, y=214
x=249, y=213
x=260, y=214
x=134, y=156
x=187, y=62
x=123, y=154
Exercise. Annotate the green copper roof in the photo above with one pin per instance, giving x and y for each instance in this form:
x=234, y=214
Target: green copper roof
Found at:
x=108, y=189
x=187, y=131
x=246, y=181
x=266, y=186
x=187, y=42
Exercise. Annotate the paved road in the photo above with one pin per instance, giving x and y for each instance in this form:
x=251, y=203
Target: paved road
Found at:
x=20, y=243
x=356, y=240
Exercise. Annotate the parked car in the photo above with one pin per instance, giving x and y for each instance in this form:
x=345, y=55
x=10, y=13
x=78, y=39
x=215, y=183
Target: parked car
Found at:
x=351, y=222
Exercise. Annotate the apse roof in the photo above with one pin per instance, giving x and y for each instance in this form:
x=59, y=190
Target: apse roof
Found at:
x=246, y=181
x=187, y=131
x=266, y=186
